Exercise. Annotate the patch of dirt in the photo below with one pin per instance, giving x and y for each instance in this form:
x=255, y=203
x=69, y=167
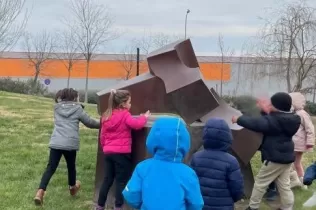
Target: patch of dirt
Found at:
x=243, y=204
x=26, y=98
x=6, y=113
x=39, y=145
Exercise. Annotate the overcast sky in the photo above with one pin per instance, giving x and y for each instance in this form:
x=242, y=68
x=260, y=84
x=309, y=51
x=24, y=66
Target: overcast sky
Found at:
x=237, y=20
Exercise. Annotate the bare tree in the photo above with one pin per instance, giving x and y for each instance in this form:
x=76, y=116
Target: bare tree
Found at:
x=225, y=53
x=290, y=41
x=69, y=48
x=91, y=25
x=127, y=59
x=39, y=49
x=11, y=28
x=152, y=41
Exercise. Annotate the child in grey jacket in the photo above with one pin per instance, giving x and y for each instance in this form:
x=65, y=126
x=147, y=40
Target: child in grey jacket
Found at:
x=64, y=140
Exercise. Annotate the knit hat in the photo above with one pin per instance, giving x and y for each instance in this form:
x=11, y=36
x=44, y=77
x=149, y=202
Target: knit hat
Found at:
x=282, y=101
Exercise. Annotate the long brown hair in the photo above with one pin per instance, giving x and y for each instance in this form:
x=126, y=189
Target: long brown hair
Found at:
x=116, y=100
x=66, y=94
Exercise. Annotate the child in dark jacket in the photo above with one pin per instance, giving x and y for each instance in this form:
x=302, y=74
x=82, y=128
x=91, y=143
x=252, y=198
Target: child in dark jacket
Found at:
x=65, y=139
x=163, y=182
x=219, y=173
x=278, y=127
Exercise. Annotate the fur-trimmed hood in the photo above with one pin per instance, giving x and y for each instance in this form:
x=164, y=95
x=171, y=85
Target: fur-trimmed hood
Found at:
x=298, y=101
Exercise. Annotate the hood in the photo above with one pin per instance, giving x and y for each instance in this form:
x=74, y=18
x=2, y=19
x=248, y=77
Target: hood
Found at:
x=289, y=123
x=168, y=139
x=66, y=109
x=118, y=115
x=217, y=135
x=298, y=101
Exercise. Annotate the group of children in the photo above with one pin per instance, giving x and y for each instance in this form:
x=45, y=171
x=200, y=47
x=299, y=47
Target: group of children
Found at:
x=212, y=180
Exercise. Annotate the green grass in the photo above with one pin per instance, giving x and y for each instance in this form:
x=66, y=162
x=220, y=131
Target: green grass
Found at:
x=26, y=124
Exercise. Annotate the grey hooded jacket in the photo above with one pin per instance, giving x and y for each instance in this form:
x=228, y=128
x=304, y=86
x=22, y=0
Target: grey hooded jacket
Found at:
x=67, y=116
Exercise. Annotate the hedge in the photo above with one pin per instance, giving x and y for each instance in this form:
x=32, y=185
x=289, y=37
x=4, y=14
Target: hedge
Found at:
x=22, y=87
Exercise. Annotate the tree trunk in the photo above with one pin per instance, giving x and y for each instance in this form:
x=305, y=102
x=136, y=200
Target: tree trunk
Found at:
x=314, y=93
x=69, y=72
x=221, y=93
x=87, y=80
x=37, y=72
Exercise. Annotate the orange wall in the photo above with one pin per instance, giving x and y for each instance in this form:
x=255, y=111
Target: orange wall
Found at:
x=98, y=69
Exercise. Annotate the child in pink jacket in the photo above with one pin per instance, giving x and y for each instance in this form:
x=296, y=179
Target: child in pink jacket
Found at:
x=304, y=139
x=116, y=141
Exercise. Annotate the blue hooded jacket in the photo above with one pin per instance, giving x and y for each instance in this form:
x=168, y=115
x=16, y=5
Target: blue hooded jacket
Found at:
x=163, y=181
x=218, y=171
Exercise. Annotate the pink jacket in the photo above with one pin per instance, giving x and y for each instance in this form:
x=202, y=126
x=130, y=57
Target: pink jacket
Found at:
x=116, y=134
x=306, y=133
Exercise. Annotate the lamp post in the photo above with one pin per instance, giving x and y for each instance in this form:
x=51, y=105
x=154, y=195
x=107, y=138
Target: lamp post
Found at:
x=185, y=24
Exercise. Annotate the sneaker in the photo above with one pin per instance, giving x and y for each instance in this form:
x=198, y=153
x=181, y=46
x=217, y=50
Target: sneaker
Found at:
x=74, y=189
x=39, y=197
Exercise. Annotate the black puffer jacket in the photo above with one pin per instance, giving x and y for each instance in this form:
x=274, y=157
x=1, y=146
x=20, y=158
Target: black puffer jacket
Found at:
x=277, y=128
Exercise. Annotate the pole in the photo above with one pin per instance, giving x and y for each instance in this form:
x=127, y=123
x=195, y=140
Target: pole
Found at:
x=137, y=62
x=185, y=24
x=314, y=93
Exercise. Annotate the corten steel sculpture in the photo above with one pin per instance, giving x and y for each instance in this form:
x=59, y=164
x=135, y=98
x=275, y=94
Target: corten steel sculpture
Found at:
x=174, y=85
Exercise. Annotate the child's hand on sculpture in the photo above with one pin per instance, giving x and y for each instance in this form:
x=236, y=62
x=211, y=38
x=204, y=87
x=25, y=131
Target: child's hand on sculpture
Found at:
x=234, y=119
x=147, y=114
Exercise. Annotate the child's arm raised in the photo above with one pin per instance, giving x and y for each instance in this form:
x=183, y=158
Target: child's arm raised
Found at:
x=133, y=190
x=257, y=124
x=136, y=123
x=88, y=121
x=235, y=181
x=193, y=196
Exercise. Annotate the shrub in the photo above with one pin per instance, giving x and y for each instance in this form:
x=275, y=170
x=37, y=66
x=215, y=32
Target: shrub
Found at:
x=92, y=96
x=311, y=108
x=245, y=104
x=23, y=87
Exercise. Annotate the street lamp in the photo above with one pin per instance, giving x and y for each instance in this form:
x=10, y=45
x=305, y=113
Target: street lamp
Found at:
x=185, y=24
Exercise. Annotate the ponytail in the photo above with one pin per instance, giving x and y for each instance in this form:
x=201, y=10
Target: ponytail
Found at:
x=107, y=114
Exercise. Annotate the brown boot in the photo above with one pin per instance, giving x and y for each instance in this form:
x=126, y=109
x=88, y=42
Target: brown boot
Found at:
x=39, y=197
x=74, y=189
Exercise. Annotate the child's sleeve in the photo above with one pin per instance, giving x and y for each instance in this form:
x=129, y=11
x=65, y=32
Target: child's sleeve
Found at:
x=193, y=196
x=135, y=123
x=309, y=129
x=88, y=121
x=133, y=191
x=235, y=181
x=257, y=124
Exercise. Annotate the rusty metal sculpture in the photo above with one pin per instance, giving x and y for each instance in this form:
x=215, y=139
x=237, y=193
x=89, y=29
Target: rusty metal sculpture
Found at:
x=174, y=85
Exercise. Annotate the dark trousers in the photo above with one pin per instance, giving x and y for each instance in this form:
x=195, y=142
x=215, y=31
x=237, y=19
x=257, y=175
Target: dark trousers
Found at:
x=53, y=162
x=118, y=167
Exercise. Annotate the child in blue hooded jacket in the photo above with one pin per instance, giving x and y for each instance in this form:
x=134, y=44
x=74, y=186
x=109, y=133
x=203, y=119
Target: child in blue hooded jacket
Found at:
x=219, y=173
x=163, y=181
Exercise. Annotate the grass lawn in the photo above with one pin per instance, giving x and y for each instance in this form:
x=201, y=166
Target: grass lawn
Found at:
x=26, y=124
